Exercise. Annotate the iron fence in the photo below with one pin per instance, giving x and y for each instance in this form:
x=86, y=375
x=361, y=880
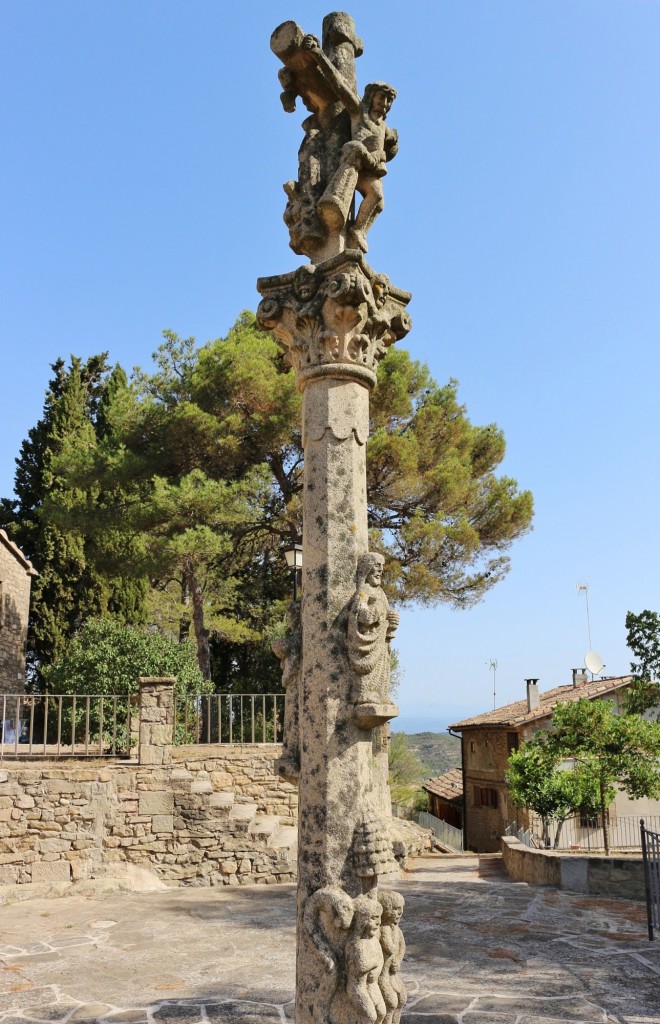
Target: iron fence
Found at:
x=581, y=832
x=650, y=843
x=64, y=725
x=443, y=831
x=523, y=835
x=229, y=718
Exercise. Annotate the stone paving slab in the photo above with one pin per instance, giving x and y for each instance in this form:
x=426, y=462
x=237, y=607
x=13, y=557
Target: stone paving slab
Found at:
x=481, y=950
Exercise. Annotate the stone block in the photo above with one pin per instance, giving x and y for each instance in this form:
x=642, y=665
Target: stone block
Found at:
x=201, y=786
x=52, y=871
x=156, y=803
x=161, y=735
x=222, y=800
x=162, y=823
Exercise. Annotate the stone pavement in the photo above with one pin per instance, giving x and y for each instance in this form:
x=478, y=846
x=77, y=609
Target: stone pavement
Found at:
x=481, y=950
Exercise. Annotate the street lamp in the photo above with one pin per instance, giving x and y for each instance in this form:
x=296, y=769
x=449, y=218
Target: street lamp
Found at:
x=294, y=559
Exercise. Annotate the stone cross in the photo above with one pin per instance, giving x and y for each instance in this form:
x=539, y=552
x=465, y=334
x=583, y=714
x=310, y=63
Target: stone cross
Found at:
x=335, y=318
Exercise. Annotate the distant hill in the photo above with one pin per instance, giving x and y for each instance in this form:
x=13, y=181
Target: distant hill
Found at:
x=437, y=750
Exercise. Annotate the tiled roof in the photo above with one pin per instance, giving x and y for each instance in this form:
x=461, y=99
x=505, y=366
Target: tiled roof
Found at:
x=448, y=786
x=18, y=554
x=518, y=713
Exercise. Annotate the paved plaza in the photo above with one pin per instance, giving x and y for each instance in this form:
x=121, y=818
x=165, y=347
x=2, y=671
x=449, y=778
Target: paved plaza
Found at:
x=481, y=950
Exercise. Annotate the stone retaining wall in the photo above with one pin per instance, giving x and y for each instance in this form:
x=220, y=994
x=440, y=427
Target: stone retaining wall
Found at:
x=618, y=876
x=209, y=818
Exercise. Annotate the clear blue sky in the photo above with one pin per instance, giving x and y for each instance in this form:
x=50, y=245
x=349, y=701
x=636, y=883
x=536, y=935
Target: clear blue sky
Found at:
x=144, y=149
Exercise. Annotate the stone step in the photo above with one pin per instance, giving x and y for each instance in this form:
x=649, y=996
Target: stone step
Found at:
x=265, y=824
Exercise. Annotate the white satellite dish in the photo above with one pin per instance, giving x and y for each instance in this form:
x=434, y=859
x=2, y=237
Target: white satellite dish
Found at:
x=594, y=663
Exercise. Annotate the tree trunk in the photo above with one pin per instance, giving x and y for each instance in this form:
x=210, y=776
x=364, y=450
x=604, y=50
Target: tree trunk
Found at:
x=560, y=823
x=546, y=833
x=184, y=622
x=201, y=634
x=603, y=812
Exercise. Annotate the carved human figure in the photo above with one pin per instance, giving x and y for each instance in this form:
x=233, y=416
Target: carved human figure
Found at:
x=347, y=142
x=361, y=1002
x=289, y=650
x=328, y=916
x=394, y=947
x=371, y=626
x=361, y=167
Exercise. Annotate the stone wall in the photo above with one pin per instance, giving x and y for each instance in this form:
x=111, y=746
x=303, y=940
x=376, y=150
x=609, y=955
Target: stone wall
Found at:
x=486, y=762
x=210, y=818
x=620, y=876
x=15, y=580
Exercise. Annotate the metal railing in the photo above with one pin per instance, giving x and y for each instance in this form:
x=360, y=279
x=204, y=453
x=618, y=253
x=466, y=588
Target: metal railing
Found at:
x=443, y=831
x=229, y=718
x=586, y=833
x=650, y=843
x=64, y=725
x=524, y=835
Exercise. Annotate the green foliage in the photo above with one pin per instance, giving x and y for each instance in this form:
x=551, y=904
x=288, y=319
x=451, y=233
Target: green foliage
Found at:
x=106, y=657
x=539, y=780
x=438, y=751
x=437, y=510
x=404, y=764
x=643, y=639
x=186, y=482
x=613, y=750
x=72, y=584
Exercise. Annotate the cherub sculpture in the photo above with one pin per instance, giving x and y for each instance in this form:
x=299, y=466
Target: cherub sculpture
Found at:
x=361, y=1001
x=394, y=947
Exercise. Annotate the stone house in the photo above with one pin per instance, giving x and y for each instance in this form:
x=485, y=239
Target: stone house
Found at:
x=16, y=574
x=445, y=794
x=487, y=741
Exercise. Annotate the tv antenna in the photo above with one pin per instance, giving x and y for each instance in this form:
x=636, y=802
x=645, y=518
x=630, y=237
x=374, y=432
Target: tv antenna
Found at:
x=583, y=588
x=592, y=659
x=492, y=665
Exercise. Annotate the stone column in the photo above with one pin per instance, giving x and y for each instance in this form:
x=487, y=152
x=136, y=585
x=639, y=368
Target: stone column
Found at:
x=336, y=321
x=156, y=719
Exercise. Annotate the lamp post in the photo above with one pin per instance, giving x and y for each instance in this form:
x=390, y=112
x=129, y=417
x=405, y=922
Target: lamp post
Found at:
x=294, y=559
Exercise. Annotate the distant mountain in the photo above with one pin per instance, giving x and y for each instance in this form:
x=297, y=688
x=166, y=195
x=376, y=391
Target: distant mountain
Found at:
x=437, y=750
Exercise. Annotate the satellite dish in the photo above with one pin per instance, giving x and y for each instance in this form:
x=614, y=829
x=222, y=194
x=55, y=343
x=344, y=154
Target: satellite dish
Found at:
x=594, y=663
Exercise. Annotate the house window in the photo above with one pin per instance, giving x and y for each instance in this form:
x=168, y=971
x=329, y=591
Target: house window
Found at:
x=473, y=746
x=485, y=796
x=596, y=820
x=511, y=741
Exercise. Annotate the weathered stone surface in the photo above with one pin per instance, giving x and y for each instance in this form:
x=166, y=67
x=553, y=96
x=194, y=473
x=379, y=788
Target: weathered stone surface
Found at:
x=156, y=803
x=336, y=319
x=51, y=871
x=346, y=144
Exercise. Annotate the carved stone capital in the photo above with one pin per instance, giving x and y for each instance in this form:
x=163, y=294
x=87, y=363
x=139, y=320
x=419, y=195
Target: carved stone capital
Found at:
x=335, y=319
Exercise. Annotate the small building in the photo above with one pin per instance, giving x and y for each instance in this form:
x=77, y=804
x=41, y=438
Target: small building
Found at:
x=488, y=739
x=16, y=574
x=446, y=797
